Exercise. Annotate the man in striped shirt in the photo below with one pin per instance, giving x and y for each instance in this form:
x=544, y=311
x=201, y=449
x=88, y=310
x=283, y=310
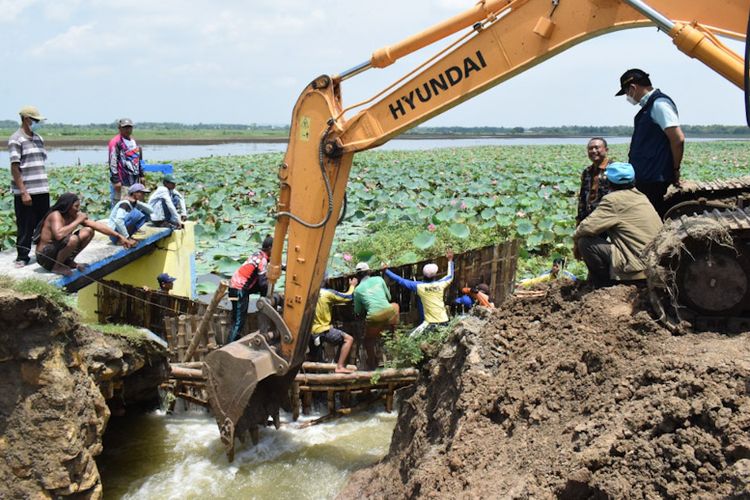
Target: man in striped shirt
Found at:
x=29, y=183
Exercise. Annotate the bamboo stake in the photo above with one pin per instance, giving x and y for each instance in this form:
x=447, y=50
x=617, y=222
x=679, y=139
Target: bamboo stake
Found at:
x=220, y=291
x=181, y=338
x=295, y=401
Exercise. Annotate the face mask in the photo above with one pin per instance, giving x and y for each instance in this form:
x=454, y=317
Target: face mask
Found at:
x=631, y=100
x=35, y=126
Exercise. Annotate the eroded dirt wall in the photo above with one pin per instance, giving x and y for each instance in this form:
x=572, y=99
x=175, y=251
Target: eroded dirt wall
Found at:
x=52, y=411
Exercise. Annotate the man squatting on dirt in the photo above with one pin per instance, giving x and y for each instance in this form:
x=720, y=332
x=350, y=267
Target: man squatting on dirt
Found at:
x=631, y=223
x=58, y=237
x=430, y=292
x=322, y=329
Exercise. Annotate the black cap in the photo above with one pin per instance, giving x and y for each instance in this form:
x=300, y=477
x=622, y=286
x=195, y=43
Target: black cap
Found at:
x=267, y=243
x=632, y=76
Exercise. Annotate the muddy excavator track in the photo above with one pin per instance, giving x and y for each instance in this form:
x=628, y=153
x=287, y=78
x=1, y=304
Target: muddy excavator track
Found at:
x=699, y=270
x=693, y=197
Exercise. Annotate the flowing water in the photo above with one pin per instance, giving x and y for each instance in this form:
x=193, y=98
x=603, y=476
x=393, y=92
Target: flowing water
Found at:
x=180, y=456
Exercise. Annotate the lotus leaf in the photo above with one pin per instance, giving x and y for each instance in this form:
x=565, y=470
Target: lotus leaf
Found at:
x=424, y=240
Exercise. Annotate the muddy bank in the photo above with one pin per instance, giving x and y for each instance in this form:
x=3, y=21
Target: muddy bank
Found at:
x=573, y=396
x=55, y=379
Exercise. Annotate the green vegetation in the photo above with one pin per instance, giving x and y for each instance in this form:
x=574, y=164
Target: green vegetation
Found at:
x=133, y=335
x=30, y=286
x=403, y=350
x=226, y=131
x=151, y=131
x=402, y=205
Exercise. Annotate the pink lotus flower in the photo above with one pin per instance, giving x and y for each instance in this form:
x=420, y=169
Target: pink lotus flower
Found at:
x=347, y=257
x=463, y=206
x=431, y=228
x=251, y=193
x=453, y=203
x=494, y=183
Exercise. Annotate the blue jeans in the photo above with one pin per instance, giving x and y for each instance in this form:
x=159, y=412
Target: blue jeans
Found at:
x=133, y=222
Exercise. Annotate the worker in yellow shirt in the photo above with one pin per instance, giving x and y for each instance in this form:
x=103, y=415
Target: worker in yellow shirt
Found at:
x=322, y=330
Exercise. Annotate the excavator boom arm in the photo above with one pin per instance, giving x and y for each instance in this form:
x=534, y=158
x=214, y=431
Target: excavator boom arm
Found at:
x=507, y=38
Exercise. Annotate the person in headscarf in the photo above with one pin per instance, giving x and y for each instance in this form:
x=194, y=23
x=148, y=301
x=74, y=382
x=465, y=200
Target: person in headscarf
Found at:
x=59, y=237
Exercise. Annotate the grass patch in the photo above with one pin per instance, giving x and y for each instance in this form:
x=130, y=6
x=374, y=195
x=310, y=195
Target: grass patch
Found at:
x=404, y=351
x=30, y=286
x=133, y=335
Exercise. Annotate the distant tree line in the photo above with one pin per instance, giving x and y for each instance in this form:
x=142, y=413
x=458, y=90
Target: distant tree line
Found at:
x=262, y=129
x=579, y=130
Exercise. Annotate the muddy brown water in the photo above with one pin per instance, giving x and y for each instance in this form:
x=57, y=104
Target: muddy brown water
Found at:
x=181, y=456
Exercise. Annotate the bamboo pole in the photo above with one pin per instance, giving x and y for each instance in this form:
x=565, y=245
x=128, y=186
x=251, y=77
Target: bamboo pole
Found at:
x=334, y=378
x=339, y=413
x=356, y=386
x=322, y=367
x=188, y=373
x=198, y=365
x=192, y=399
x=220, y=291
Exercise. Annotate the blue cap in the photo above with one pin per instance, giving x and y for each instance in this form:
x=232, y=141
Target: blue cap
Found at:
x=165, y=278
x=620, y=173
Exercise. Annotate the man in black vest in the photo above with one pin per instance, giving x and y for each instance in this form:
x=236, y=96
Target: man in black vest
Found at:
x=658, y=142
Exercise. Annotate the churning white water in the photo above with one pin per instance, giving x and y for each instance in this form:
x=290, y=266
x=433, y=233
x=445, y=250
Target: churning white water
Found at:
x=181, y=456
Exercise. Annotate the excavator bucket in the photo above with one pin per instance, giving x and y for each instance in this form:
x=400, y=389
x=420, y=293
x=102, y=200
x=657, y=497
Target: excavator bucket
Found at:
x=246, y=380
x=233, y=374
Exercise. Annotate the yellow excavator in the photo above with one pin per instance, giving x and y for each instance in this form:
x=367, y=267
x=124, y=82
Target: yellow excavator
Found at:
x=249, y=380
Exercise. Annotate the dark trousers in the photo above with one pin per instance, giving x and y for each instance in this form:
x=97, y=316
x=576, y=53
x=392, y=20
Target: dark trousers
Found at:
x=597, y=254
x=27, y=218
x=655, y=192
x=239, y=311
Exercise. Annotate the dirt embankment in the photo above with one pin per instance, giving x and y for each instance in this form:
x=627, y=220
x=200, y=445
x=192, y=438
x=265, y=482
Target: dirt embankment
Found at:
x=573, y=396
x=52, y=410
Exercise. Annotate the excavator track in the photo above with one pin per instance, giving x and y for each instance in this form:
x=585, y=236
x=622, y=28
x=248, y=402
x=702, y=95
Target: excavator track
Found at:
x=693, y=197
x=699, y=270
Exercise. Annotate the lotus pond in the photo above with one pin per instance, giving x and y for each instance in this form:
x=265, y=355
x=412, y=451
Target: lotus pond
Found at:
x=402, y=205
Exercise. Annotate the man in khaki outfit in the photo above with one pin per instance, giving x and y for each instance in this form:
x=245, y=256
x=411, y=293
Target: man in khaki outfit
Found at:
x=631, y=222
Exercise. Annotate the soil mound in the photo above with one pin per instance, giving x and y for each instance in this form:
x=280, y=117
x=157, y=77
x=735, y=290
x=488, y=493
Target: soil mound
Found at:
x=573, y=395
x=54, y=377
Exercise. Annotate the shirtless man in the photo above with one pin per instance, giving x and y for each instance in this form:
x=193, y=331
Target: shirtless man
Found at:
x=58, y=239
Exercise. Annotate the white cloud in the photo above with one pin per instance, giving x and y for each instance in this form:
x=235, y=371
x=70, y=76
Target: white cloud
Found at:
x=61, y=10
x=10, y=9
x=77, y=40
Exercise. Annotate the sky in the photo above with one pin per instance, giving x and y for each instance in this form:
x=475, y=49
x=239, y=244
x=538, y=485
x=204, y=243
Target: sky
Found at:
x=246, y=61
